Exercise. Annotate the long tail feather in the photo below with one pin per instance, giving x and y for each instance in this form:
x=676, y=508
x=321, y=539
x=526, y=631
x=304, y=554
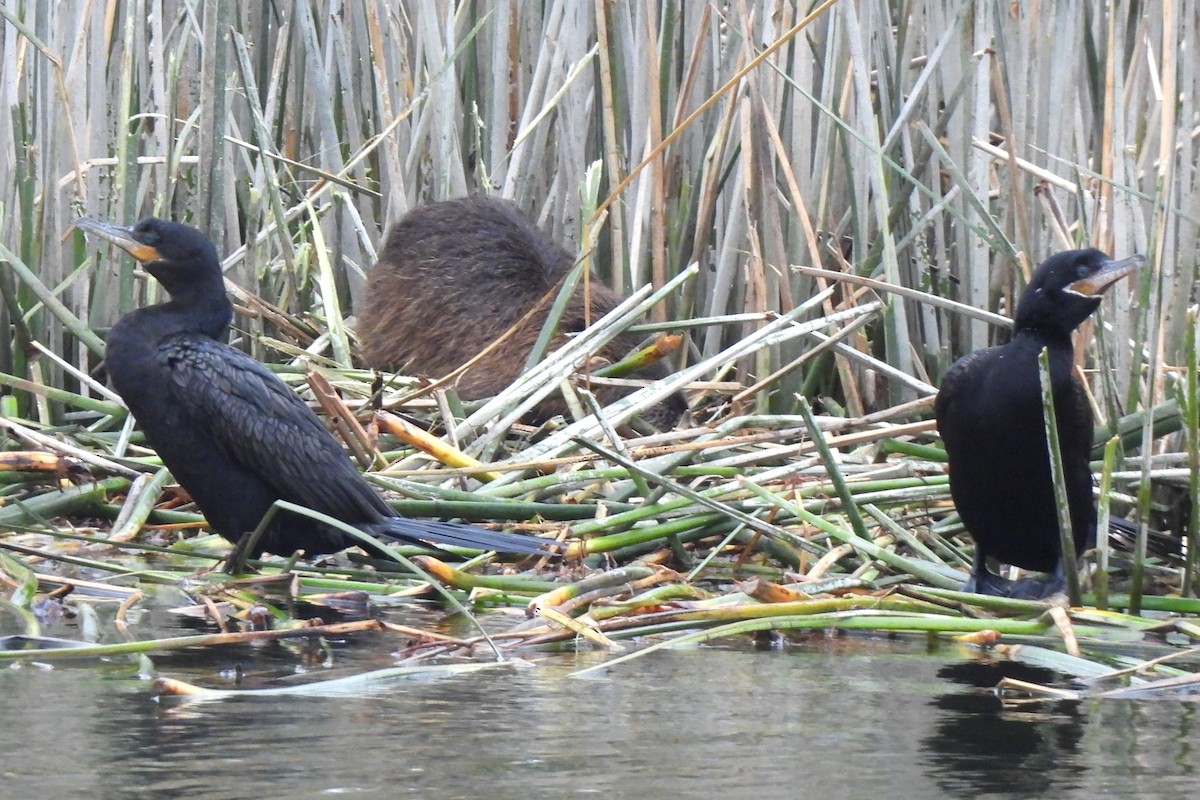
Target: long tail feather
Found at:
x=1122, y=534
x=459, y=535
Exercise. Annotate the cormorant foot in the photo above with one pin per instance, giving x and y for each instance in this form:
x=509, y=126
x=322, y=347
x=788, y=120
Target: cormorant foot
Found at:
x=1037, y=588
x=989, y=584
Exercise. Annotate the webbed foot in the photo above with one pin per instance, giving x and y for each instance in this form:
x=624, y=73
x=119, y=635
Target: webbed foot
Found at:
x=988, y=583
x=1037, y=588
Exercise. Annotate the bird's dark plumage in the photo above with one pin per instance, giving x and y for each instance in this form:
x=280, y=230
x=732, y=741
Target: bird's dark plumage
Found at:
x=989, y=414
x=233, y=434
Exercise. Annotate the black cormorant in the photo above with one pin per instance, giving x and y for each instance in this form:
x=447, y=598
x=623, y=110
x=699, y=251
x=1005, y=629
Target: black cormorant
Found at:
x=231, y=432
x=989, y=414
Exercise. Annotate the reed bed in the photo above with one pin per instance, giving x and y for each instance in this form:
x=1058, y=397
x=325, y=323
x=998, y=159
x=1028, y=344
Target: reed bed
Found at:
x=829, y=201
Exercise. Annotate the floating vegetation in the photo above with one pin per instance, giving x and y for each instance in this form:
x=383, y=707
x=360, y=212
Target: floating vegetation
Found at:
x=751, y=525
x=828, y=202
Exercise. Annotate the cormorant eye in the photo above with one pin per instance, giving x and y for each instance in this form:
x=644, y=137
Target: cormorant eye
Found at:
x=1082, y=271
x=150, y=238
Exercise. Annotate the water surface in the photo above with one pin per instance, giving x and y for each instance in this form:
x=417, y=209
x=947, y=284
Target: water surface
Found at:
x=824, y=717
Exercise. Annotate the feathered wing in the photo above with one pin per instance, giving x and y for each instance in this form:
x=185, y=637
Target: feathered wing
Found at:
x=1075, y=426
x=260, y=422
x=962, y=372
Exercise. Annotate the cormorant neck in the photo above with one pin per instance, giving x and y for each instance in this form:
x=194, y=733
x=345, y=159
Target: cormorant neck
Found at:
x=1052, y=316
x=211, y=314
x=1049, y=336
x=198, y=302
x=191, y=309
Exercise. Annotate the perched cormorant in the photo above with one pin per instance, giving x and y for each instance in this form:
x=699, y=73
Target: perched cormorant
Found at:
x=230, y=431
x=989, y=413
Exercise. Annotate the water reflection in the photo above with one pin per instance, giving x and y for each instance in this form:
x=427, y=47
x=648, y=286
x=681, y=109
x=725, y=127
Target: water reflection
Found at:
x=836, y=717
x=978, y=746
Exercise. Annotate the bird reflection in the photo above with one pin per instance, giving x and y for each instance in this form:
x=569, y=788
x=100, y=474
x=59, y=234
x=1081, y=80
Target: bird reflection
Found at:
x=980, y=746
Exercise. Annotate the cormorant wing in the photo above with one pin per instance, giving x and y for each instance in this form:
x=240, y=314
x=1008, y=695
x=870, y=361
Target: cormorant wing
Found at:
x=261, y=423
x=960, y=372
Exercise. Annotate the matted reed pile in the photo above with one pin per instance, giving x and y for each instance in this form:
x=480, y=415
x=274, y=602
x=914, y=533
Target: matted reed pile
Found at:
x=732, y=157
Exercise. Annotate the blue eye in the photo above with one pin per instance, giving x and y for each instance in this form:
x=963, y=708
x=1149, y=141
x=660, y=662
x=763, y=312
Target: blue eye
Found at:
x=1082, y=271
x=150, y=237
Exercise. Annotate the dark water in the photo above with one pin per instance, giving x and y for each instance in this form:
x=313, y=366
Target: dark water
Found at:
x=837, y=718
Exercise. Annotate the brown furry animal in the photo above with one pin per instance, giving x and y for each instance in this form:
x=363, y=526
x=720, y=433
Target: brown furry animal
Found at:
x=453, y=276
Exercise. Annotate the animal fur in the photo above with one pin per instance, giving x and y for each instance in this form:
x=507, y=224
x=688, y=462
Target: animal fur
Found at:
x=455, y=275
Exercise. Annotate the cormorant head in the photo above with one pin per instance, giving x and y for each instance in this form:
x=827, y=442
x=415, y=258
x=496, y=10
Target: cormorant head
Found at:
x=1068, y=287
x=178, y=255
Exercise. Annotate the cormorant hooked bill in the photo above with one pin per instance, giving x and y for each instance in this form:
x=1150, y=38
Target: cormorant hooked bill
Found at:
x=989, y=414
x=234, y=435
